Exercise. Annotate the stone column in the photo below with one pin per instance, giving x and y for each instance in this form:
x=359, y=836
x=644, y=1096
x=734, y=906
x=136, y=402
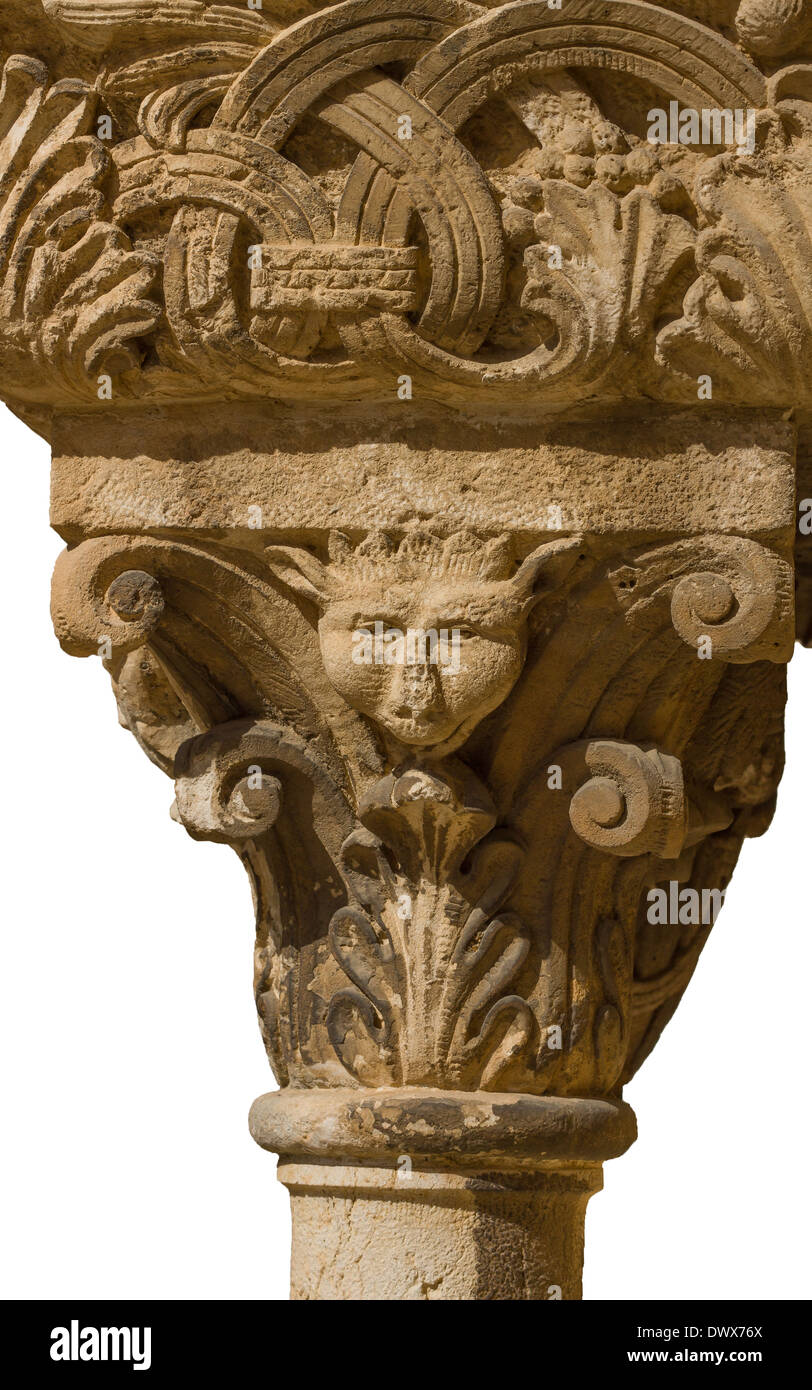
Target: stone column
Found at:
x=413, y=1192
x=426, y=395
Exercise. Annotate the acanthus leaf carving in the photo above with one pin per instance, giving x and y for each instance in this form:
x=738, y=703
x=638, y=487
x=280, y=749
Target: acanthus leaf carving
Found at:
x=620, y=257
x=485, y=718
x=270, y=794
x=448, y=939
x=432, y=957
x=76, y=298
x=748, y=314
x=379, y=256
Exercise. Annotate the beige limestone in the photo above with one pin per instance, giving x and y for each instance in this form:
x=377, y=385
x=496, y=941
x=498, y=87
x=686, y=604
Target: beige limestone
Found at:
x=431, y=447
x=446, y=1235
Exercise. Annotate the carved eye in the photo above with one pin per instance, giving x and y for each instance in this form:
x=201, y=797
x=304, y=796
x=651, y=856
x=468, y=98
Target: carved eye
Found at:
x=370, y=625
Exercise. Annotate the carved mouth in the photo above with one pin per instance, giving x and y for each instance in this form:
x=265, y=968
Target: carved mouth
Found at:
x=419, y=727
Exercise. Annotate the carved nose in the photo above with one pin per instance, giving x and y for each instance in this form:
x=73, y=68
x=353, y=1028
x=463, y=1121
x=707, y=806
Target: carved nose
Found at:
x=418, y=690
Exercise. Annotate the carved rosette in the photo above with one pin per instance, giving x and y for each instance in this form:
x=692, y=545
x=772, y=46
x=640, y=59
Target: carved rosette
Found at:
x=459, y=851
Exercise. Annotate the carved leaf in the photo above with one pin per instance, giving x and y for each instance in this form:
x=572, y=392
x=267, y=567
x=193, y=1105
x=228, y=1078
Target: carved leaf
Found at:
x=364, y=1023
x=619, y=256
x=750, y=312
x=73, y=293
x=432, y=967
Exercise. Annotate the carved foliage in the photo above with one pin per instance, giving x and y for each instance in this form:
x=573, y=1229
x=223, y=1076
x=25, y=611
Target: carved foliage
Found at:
x=619, y=258
x=749, y=313
x=74, y=296
x=431, y=957
x=467, y=919
x=321, y=224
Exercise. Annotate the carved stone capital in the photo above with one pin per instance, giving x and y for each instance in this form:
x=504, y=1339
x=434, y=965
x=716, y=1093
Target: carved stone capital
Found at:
x=426, y=441
x=482, y=198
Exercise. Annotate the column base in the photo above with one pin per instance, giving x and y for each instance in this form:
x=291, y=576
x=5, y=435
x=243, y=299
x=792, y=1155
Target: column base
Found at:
x=425, y=1194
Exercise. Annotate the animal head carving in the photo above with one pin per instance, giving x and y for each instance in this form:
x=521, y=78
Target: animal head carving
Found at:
x=427, y=635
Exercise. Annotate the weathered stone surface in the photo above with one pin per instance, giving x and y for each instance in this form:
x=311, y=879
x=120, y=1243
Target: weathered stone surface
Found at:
x=429, y=440
x=648, y=471
x=445, y=1235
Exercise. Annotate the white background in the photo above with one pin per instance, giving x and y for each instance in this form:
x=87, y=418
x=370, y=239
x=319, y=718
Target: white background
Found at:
x=131, y=1053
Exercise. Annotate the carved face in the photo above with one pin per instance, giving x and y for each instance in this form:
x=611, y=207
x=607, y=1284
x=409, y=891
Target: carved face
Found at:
x=425, y=638
x=466, y=644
